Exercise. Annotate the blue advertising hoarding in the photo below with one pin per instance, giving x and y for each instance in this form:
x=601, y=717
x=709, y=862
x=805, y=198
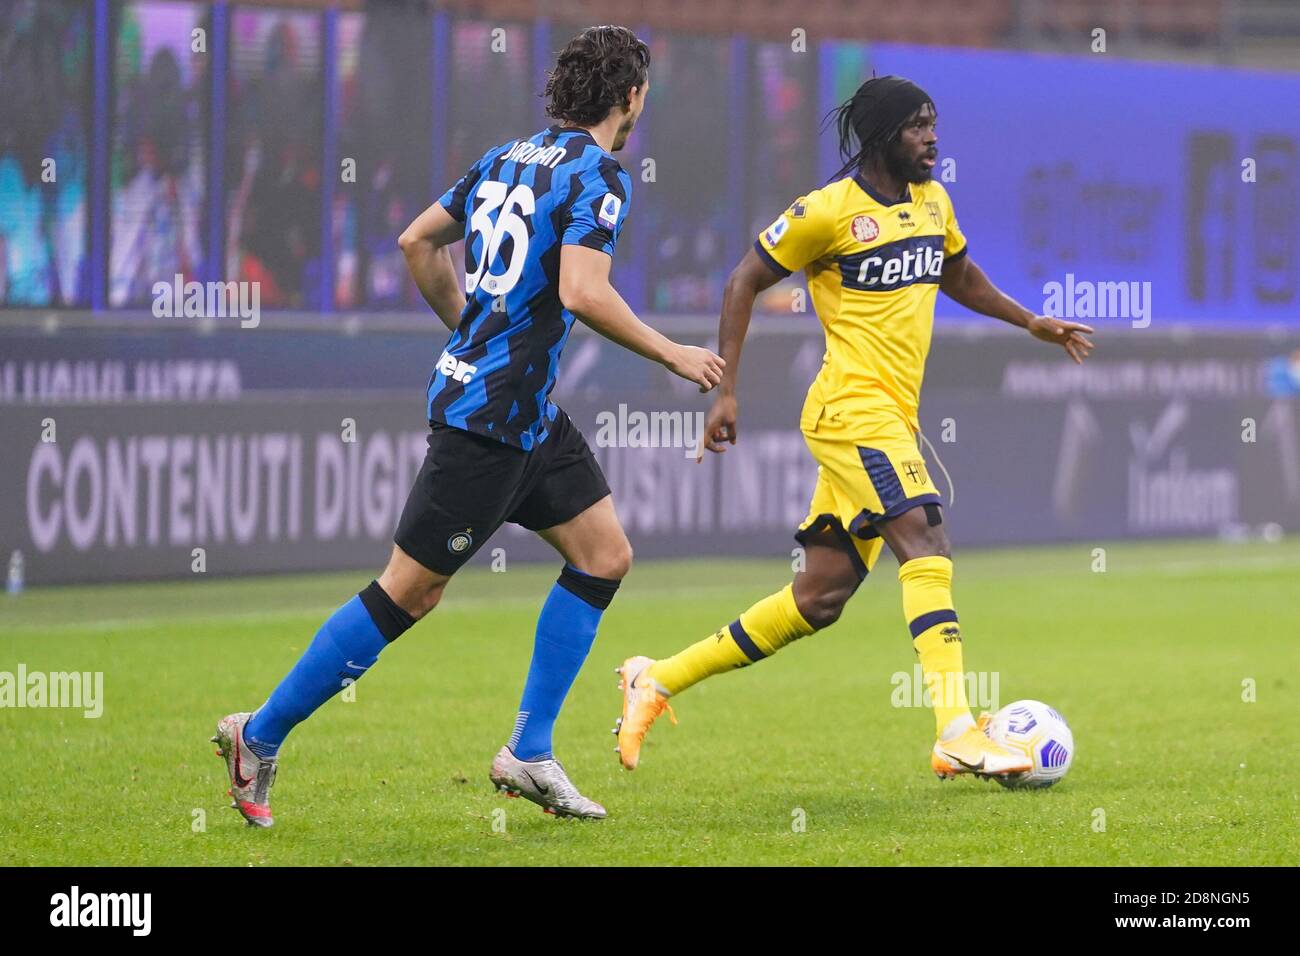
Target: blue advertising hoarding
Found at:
x=1115, y=171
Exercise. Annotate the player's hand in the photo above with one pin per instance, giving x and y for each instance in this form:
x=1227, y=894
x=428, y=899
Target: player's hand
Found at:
x=1069, y=335
x=697, y=365
x=719, y=426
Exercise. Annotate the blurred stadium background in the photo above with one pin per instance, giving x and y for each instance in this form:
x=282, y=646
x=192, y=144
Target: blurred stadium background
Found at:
x=288, y=143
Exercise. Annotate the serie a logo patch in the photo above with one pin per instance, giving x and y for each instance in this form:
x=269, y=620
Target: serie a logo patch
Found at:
x=609, y=208
x=774, y=232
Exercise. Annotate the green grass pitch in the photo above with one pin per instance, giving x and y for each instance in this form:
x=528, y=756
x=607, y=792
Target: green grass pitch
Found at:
x=800, y=760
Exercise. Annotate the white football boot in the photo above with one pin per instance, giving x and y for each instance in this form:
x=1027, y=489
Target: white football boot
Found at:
x=545, y=783
x=251, y=777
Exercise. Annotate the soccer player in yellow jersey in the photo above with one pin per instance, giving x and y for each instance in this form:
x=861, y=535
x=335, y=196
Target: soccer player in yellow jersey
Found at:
x=877, y=243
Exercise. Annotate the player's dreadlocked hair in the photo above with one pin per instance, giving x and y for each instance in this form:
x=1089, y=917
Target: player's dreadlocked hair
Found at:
x=594, y=73
x=873, y=116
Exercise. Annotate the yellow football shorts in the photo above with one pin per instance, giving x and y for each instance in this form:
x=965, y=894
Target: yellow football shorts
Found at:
x=865, y=475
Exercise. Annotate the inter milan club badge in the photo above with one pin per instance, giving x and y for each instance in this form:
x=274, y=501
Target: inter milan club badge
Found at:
x=459, y=542
x=864, y=228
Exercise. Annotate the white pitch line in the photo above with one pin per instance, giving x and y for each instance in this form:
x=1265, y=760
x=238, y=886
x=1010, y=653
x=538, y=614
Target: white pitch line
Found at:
x=453, y=605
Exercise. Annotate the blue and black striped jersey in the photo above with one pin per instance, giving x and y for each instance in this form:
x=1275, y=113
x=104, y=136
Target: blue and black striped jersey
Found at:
x=520, y=203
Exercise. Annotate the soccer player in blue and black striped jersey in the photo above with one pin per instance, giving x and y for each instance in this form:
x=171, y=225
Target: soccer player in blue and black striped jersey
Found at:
x=540, y=218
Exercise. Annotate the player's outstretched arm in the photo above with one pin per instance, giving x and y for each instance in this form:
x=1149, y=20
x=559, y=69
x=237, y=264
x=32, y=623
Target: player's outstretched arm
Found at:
x=585, y=291
x=750, y=277
x=424, y=244
x=965, y=282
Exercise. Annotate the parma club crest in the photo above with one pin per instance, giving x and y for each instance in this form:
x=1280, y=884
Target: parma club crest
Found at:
x=915, y=471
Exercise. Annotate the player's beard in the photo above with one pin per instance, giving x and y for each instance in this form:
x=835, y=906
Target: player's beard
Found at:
x=905, y=168
x=624, y=131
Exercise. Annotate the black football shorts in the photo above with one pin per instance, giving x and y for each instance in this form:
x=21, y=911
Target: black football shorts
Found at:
x=469, y=485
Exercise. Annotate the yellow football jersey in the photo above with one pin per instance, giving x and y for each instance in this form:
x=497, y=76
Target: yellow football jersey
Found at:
x=873, y=269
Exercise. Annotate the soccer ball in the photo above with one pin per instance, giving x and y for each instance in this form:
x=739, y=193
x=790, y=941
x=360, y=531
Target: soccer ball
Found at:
x=1036, y=730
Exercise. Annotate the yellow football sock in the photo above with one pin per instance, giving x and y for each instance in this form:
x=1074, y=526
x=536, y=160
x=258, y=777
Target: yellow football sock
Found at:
x=760, y=632
x=927, y=605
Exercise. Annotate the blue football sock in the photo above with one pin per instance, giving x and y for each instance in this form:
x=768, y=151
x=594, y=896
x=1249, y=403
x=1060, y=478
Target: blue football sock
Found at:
x=566, y=630
x=347, y=644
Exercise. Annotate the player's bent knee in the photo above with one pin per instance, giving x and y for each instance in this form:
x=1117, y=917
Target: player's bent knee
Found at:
x=415, y=598
x=822, y=608
x=411, y=586
x=613, y=562
x=624, y=563
x=425, y=600
x=933, y=545
x=918, y=533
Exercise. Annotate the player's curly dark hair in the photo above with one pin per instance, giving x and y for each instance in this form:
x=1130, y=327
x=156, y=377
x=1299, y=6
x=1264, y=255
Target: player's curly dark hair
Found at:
x=594, y=73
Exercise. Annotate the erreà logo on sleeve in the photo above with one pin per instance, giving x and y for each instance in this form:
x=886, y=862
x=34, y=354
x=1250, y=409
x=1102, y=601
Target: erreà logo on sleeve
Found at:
x=134, y=910
x=609, y=207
